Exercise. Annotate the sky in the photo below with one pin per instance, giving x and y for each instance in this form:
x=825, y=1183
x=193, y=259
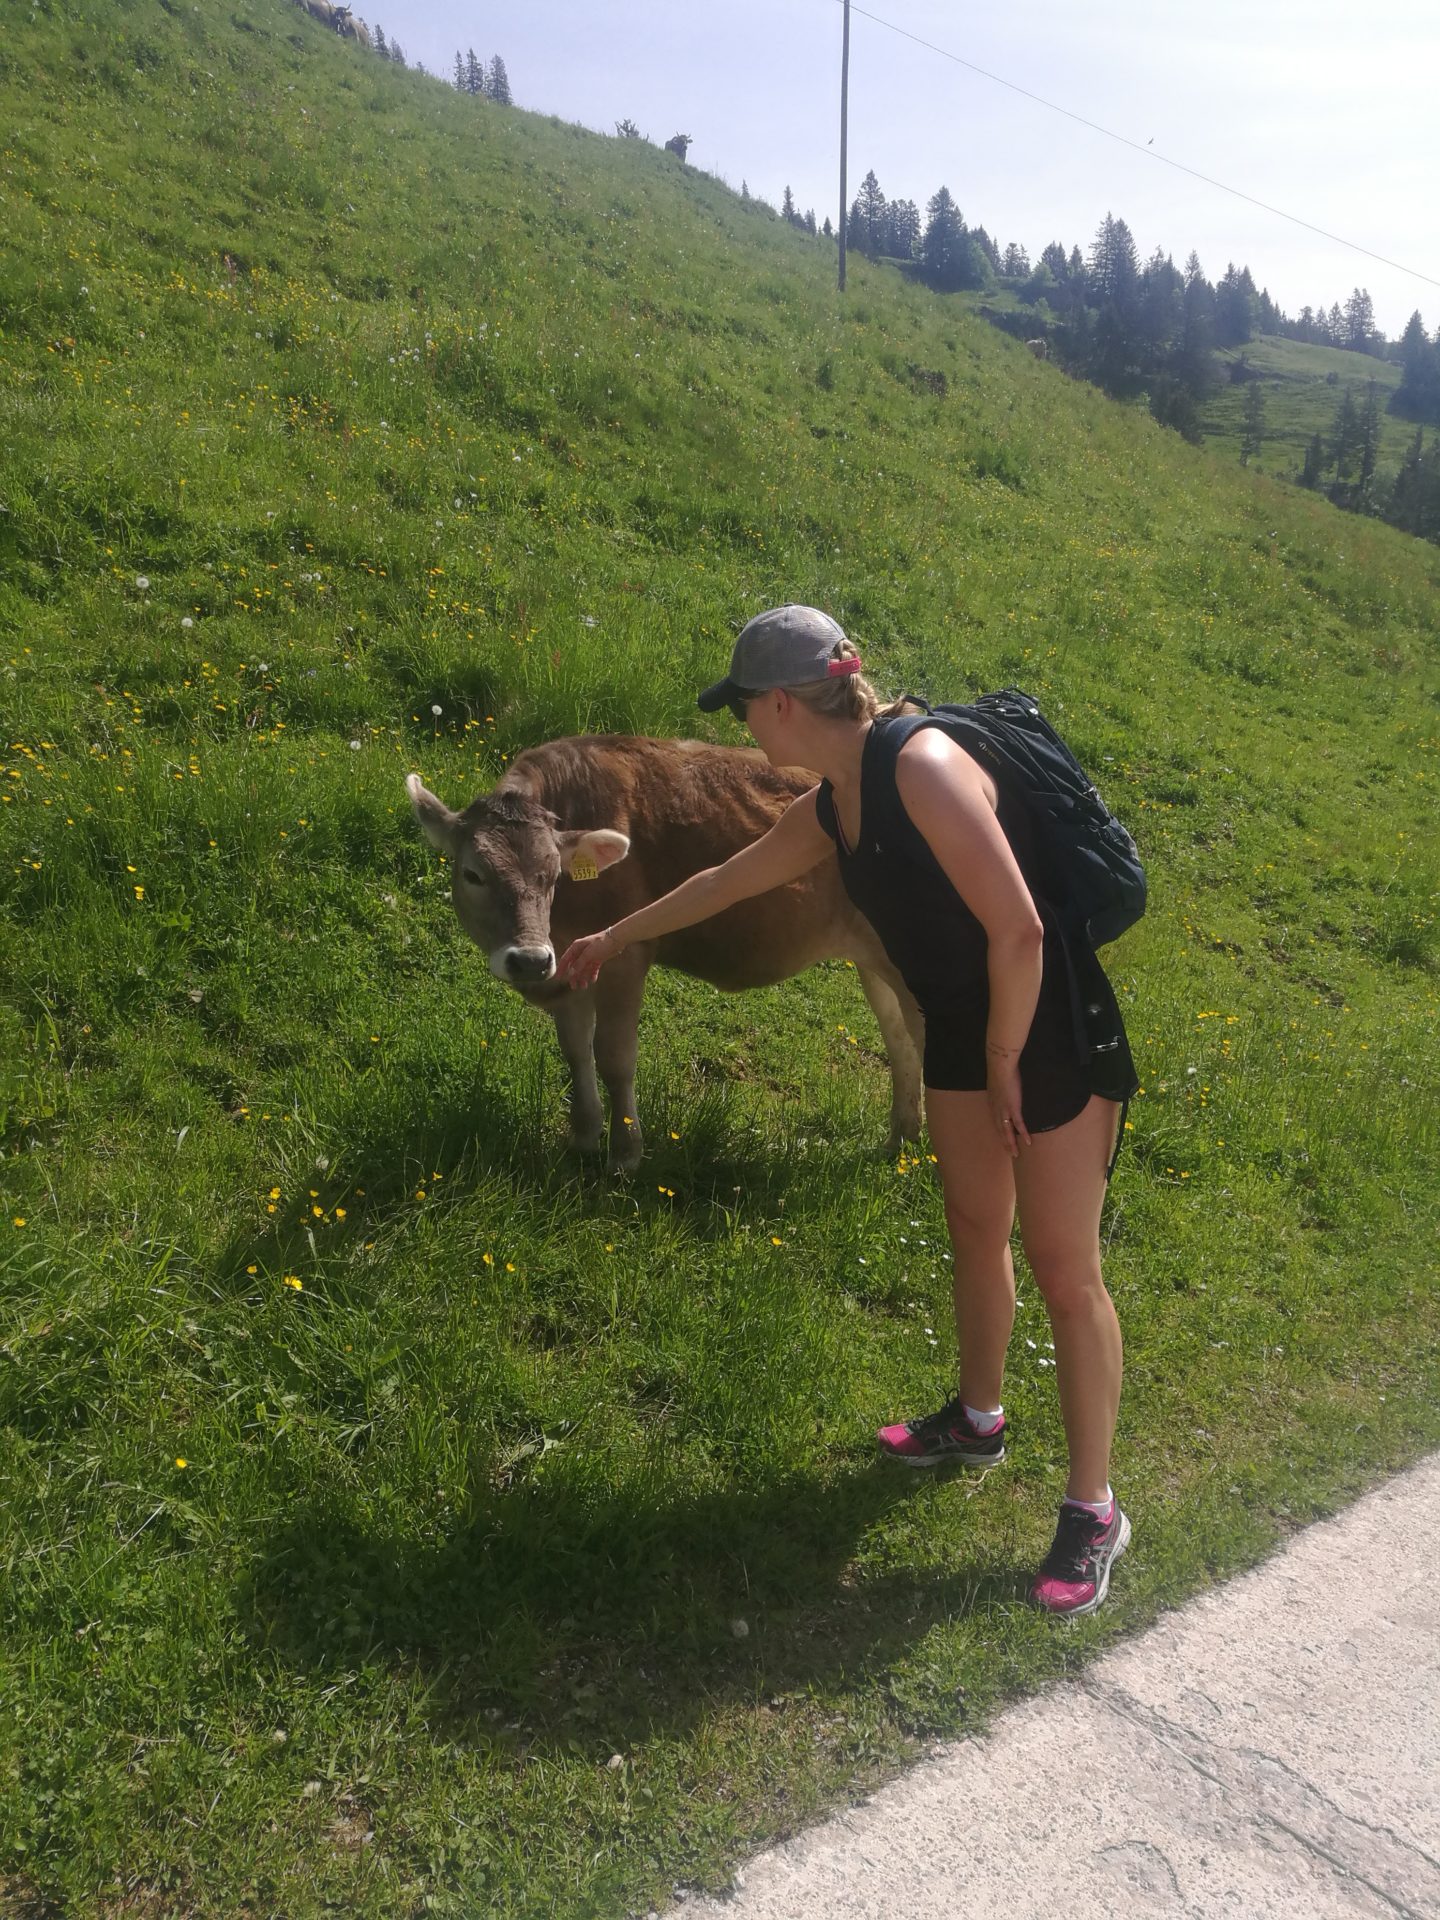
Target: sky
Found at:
x=1320, y=109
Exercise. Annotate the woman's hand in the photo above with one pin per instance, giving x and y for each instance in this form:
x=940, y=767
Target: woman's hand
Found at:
x=582, y=960
x=1002, y=1090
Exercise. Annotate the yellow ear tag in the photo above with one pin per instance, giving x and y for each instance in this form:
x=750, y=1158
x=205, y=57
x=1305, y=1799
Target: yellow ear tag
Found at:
x=582, y=867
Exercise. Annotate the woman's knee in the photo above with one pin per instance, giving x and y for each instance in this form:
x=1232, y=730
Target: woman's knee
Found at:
x=1069, y=1280
x=978, y=1233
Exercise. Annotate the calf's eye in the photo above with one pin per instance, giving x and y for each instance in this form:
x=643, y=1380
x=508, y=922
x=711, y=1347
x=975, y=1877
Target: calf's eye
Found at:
x=475, y=879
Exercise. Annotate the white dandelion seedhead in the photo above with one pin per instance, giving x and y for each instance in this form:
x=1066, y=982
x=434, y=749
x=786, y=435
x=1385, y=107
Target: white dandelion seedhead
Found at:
x=187, y=621
x=436, y=710
x=354, y=746
x=142, y=581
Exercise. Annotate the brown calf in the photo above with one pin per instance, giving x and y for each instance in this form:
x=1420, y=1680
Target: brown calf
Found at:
x=644, y=815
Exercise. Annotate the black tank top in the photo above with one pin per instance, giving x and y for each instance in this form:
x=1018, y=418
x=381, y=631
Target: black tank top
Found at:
x=937, y=945
x=935, y=941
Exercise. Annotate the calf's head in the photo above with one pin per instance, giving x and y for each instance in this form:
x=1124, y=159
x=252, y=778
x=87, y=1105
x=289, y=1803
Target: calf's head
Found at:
x=506, y=853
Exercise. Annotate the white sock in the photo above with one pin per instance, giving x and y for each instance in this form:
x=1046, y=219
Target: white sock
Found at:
x=1102, y=1509
x=982, y=1421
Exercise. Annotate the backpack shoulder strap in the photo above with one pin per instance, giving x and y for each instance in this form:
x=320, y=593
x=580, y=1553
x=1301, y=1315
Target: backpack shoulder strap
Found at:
x=886, y=815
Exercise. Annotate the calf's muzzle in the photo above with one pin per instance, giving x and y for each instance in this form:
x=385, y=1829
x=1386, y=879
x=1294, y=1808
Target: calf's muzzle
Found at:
x=524, y=966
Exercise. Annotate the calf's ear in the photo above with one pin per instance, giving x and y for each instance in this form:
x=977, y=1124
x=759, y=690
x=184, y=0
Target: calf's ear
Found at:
x=437, y=822
x=584, y=855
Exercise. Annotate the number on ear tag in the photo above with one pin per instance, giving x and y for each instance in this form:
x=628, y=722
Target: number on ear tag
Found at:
x=582, y=867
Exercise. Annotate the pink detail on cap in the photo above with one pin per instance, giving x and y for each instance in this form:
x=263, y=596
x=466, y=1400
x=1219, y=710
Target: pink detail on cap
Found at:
x=835, y=668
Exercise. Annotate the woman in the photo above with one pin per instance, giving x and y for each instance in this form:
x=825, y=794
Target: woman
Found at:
x=1020, y=1111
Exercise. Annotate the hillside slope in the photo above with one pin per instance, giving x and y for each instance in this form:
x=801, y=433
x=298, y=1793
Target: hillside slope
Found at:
x=397, y=1515
x=1303, y=387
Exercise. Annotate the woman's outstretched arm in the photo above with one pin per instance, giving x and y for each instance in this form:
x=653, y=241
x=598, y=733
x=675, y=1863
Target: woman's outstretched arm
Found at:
x=796, y=843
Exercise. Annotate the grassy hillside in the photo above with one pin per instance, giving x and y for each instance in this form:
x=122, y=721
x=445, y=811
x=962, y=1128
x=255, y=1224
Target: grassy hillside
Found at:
x=398, y=1518
x=1303, y=388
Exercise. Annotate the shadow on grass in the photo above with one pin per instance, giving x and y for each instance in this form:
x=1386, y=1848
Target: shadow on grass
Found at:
x=469, y=1140
x=545, y=1619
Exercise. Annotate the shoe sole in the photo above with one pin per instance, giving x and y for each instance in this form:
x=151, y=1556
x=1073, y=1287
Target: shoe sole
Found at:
x=943, y=1459
x=1102, y=1586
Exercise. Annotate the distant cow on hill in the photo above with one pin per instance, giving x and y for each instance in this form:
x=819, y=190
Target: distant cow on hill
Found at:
x=353, y=29
x=1040, y=348
x=320, y=10
x=580, y=832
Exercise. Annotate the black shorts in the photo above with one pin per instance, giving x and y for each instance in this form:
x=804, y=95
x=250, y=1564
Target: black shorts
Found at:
x=1055, y=1079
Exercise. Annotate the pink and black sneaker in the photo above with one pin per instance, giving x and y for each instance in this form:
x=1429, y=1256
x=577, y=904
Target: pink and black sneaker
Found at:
x=938, y=1438
x=1074, y=1576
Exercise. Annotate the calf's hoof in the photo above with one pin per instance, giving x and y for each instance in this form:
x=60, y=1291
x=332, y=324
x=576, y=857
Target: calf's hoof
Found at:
x=627, y=1150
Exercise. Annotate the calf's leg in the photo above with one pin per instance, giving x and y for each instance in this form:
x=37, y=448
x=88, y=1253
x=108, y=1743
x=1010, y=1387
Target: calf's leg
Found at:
x=574, y=1019
x=619, y=991
x=902, y=1028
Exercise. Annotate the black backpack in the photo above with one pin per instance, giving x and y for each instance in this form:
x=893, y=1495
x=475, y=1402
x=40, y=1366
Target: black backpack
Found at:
x=1090, y=869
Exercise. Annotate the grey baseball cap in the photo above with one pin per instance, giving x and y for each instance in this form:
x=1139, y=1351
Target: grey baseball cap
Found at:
x=782, y=647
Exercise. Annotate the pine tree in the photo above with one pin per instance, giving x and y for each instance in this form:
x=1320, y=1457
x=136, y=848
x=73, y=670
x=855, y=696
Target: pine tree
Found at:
x=1369, y=445
x=1407, y=494
x=1418, y=395
x=986, y=246
x=787, y=207
x=1315, y=463
x=1359, y=321
x=380, y=47
x=809, y=221
x=1235, y=305
x=397, y=53
x=947, y=259
x=474, y=74
x=867, y=230
x=1173, y=405
x=1114, y=270
x=1414, y=346
x=498, y=83
x=1017, y=261
x=902, y=230
x=460, y=86
x=1162, y=306
x=1345, y=447
x=1252, y=436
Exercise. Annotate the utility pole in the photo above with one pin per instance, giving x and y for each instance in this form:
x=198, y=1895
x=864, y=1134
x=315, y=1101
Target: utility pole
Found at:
x=844, y=115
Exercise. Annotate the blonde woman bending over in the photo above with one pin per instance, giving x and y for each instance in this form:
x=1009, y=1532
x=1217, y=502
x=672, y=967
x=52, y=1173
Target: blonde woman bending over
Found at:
x=1021, y=1114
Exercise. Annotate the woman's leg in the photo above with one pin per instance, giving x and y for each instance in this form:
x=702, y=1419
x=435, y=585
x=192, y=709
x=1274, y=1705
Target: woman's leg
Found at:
x=979, y=1187
x=1060, y=1186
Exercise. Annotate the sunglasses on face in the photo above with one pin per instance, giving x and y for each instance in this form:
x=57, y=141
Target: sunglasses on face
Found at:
x=739, y=704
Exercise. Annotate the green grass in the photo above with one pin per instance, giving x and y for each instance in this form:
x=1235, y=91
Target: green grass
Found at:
x=476, y=1507
x=1303, y=388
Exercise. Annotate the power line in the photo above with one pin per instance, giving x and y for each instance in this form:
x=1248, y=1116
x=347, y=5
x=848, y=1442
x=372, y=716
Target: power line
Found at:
x=1148, y=151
